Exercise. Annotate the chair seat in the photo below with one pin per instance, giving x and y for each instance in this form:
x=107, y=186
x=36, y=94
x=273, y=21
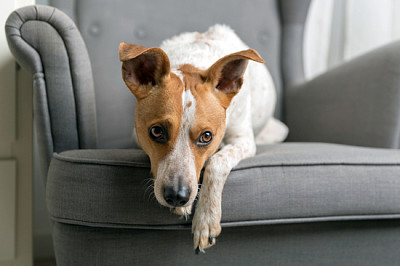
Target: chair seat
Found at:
x=283, y=183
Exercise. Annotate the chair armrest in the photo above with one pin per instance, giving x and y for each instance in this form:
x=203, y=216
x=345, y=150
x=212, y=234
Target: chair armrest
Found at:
x=47, y=43
x=357, y=103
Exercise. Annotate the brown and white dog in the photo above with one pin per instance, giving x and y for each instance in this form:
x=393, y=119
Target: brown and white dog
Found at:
x=196, y=103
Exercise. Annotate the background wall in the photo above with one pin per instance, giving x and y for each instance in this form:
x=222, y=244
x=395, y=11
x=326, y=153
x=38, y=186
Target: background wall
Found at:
x=15, y=153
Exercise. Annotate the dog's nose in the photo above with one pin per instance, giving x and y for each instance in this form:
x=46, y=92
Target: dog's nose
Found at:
x=176, y=196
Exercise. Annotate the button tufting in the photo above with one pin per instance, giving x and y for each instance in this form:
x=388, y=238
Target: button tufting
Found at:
x=94, y=29
x=263, y=37
x=140, y=33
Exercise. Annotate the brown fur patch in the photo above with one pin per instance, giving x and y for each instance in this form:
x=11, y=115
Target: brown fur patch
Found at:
x=162, y=106
x=192, y=76
x=210, y=114
x=226, y=75
x=143, y=68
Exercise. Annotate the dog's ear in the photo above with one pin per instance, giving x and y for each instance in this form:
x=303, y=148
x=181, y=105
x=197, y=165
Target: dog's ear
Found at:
x=226, y=75
x=143, y=68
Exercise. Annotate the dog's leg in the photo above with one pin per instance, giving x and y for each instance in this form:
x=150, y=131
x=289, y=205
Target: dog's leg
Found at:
x=206, y=221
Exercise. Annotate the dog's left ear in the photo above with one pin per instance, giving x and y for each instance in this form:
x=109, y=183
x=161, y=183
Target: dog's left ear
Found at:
x=226, y=75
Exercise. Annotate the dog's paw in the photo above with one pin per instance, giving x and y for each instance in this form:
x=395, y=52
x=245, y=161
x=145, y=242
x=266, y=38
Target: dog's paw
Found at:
x=183, y=212
x=205, y=228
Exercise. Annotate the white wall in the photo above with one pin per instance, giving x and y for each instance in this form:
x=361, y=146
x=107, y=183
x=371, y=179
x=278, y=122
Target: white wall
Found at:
x=42, y=2
x=15, y=153
x=42, y=240
x=8, y=177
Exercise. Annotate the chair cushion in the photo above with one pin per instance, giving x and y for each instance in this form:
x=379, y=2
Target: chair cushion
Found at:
x=283, y=183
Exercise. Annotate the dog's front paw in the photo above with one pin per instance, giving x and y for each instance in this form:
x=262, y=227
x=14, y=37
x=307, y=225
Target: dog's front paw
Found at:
x=205, y=227
x=183, y=212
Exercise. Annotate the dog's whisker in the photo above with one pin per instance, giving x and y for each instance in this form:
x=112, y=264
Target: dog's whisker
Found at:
x=148, y=188
x=147, y=193
x=146, y=180
x=147, y=184
x=151, y=196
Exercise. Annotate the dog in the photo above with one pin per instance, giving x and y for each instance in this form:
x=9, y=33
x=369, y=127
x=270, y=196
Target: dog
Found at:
x=195, y=102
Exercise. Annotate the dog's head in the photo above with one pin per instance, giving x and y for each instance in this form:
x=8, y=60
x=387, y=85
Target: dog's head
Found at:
x=180, y=120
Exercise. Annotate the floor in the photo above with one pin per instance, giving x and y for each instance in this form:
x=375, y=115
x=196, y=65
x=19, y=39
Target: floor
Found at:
x=44, y=263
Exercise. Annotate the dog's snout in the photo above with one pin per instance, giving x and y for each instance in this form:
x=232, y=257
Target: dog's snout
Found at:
x=177, y=196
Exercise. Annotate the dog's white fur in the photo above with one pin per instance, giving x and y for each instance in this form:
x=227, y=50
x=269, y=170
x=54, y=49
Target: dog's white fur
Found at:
x=203, y=49
x=250, y=114
x=181, y=159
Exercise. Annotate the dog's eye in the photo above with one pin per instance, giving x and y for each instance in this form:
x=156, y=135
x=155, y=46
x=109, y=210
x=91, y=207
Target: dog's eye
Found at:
x=158, y=133
x=205, y=138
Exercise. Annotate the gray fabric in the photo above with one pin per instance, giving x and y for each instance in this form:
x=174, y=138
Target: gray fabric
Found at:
x=46, y=42
x=283, y=182
x=332, y=243
x=294, y=14
x=66, y=6
x=147, y=23
x=42, y=126
x=357, y=103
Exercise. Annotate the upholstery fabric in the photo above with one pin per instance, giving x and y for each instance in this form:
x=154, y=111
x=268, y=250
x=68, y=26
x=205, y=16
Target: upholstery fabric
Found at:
x=47, y=43
x=284, y=183
x=357, y=103
x=353, y=243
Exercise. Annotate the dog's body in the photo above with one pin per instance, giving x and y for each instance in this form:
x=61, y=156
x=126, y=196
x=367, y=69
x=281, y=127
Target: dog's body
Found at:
x=257, y=94
x=191, y=100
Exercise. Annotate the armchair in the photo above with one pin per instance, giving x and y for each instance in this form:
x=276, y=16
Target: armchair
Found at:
x=304, y=202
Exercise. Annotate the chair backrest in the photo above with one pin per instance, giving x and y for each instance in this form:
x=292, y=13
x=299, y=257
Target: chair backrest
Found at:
x=274, y=28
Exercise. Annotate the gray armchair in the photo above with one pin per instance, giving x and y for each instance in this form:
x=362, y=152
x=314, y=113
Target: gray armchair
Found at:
x=303, y=202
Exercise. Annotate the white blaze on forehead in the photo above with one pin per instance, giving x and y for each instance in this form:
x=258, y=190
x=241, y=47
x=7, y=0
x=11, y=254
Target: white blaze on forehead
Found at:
x=180, y=161
x=182, y=152
x=189, y=110
x=178, y=73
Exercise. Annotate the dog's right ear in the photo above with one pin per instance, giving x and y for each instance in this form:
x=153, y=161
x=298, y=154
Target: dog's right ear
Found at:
x=143, y=68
